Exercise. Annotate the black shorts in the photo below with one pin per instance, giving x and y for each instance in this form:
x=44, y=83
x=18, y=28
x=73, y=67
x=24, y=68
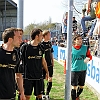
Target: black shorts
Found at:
x=37, y=84
x=9, y=99
x=78, y=78
x=50, y=69
x=7, y=93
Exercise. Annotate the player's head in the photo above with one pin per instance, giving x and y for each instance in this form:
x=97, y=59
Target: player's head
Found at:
x=46, y=34
x=77, y=39
x=20, y=30
x=12, y=36
x=36, y=34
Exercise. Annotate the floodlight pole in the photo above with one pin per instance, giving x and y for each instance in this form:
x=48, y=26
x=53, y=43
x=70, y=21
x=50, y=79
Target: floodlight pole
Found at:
x=5, y=13
x=68, y=54
x=20, y=14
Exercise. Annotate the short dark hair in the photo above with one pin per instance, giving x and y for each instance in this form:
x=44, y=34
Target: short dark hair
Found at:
x=76, y=36
x=8, y=33
x=35, y=32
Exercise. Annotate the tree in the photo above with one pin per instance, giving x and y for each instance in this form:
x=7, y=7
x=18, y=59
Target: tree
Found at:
x=28, y=29
x=43, y=26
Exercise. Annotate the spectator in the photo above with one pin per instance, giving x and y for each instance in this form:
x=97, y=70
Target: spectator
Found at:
x=90, y=32
x=64, y=30
x=26, y=40
x=95, y=49
x=74, y=25
x=90, y=15
x=97, y=27
x=62, y=40
x=54, y=41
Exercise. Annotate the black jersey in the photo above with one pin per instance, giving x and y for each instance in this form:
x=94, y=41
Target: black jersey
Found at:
x=32, y=61
x=8, y=62
x=19, y=65
x=48, y=50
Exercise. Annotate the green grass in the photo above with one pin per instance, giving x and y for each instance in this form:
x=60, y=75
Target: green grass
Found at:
x=58, y=88
x=88, y=94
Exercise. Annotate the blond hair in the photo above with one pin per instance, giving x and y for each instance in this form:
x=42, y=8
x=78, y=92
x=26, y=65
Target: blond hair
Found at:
x=45, y=32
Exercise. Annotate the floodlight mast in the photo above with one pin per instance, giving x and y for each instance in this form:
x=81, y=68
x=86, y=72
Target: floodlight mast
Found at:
x=68, y=54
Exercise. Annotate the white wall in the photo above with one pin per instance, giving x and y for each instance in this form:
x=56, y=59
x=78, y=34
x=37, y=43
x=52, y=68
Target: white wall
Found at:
x=93, y=73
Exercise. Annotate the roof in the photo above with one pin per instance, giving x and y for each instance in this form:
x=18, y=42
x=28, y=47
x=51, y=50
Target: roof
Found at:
x=8, y=14
x=9, y=4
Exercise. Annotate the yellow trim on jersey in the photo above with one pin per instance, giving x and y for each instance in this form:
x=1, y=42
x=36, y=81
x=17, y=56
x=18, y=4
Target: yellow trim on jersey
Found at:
x=9, y=66
x=34, y=57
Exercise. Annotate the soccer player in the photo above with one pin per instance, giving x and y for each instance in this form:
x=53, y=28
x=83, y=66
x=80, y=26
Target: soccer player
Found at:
x=48, y=50
x=80, y=56
x=8, y=65
x=32, y=60
x=20, y=31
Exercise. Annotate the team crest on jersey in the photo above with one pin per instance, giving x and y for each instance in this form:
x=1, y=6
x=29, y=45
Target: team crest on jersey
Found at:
x=14, y=57
x=40, y=52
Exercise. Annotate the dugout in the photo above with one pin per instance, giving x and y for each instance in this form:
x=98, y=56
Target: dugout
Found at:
x=8, y=15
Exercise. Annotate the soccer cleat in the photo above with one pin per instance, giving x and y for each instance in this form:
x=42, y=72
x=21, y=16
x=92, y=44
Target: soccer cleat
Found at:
x=47, y=97
x=77, y=98
x=43, y=97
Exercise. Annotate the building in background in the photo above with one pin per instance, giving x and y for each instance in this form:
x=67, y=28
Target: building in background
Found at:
x=8, y=15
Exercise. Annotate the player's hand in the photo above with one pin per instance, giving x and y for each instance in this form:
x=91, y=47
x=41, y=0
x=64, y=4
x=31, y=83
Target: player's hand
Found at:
x=22, y=96
x=52, y=63
x=47, y=76
x=86, y=60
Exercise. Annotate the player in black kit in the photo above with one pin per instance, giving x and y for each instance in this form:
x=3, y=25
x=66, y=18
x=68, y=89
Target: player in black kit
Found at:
x=8, y=65
x=32, y=60
x=48, y=50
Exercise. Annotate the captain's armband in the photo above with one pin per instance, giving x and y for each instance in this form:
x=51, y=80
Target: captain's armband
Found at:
x=43, y=55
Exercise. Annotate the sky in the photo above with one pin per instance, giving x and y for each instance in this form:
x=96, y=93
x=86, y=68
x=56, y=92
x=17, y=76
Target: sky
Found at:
x=37, y=11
